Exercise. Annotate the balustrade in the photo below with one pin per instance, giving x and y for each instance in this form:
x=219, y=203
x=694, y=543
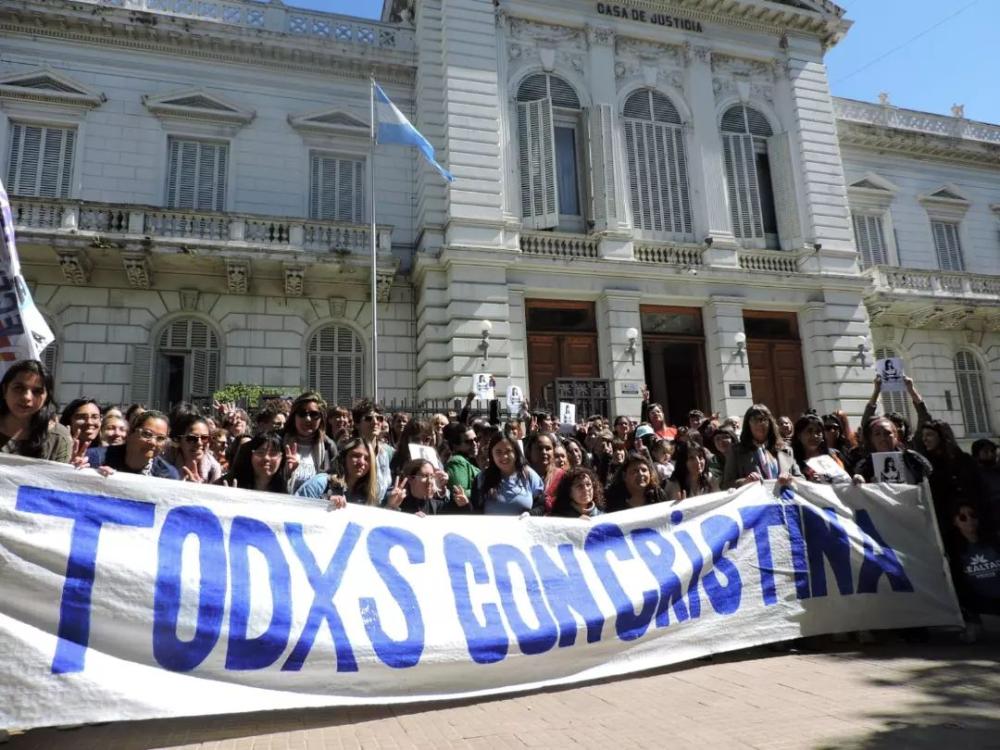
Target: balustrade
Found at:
x=559, y=245
x=669, y=255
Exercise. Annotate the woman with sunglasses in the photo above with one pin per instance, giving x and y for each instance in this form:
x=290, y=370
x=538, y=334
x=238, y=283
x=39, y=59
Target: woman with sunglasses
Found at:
x=148, y=435
x=352, y=480
x=193, y=456
x=26, y=411
x=305, y=436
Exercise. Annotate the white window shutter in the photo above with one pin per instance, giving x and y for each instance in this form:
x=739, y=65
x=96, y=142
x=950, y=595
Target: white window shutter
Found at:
x=40, y=160
x=336, y=189
x=779, y=154
x=142, y=361
x=196, y=175
x=600, y=141
x=741, y=181
x=335, y=365
x=947, y=246
x=539, y=191
x=975, y=411
x=199, y=373
x=869, y=234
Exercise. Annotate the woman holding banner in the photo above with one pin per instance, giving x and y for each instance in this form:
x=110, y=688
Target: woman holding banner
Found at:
x=262, y=464
x=760, y=454
x=421, y=490
x=508, y=486
x=579, y=495
x=353, y=479
x=26, y=411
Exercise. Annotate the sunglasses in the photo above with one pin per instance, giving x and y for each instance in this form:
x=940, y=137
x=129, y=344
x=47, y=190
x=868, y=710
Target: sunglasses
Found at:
x=310, y=414
x=195, y=439
x=150, y=435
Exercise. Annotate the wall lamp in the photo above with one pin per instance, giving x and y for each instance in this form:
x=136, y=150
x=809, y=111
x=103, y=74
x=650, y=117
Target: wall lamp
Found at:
x=632, y=334
x=741, y=346
x=484, y=343
x=862, y=350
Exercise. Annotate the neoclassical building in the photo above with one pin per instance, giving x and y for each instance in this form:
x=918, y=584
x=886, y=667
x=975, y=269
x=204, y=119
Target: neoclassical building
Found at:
x=655, y=191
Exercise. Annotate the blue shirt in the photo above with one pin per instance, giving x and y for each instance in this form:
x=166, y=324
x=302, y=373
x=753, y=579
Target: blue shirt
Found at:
x=114, y=456
x=514, y=496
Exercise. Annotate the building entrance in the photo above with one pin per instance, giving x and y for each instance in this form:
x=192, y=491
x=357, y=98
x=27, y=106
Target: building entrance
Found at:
x=562, y=343
x=774, y=353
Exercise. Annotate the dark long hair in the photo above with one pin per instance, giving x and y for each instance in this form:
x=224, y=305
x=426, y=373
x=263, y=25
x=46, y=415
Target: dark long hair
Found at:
x=242, y=470
x=72, y=406
x=774, y=441
x=682, y=452
x=290, y=432
x=414, y=432
x=800, y=424
x=492, y=476
x=949, y=449
x=38, y=426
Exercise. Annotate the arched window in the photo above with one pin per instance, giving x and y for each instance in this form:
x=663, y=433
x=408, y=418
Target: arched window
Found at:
x=658, y=179
x=894, y=401
x=975, y=411
x=745, y=136
x=335, y=364
x=187, y=363
x=550, y=155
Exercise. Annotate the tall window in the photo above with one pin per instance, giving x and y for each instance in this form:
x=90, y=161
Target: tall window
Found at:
x=947, y=246
x=745, y=134
x=335, y=364
x=658, y=179
x=187, y=357
x=40, y=162
x=336, y=188
x=196, y=174
x=869, y=235
x=548, y=129
x=894, y=401
x=975, y=410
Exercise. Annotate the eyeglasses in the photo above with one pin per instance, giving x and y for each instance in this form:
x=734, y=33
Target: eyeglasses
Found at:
x=266, y=452
x=422, y=477
x=152, y=436
x=310, y=414
x=194, y=439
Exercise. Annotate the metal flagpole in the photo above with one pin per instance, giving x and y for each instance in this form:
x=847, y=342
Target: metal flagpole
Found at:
x=374, y=289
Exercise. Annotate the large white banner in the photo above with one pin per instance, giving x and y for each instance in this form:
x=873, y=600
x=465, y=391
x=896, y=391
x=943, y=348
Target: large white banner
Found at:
x=135, y=598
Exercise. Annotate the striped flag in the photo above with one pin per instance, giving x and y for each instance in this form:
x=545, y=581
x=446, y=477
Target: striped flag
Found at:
x=23, y=331
x=393, y=127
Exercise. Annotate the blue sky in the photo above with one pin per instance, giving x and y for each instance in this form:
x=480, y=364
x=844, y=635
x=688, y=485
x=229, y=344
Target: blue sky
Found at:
x=950, y=62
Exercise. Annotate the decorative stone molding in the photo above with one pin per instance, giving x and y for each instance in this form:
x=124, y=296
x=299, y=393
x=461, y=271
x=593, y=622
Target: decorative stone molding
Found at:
x=189, y=299
x=238, y=275
x=338, y=307
x=600, y=36
x=330, y=122
x=383, y=283
x=952, y=320
x=75, y=266
x=728, y=65
x=198, y=104
x=138, y=270
x=50, y=87
x=563, y=37
x=295, y=280
x=651, y=61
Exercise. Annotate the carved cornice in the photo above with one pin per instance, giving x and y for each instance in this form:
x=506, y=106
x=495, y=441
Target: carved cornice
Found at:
x=238, y=275
x=295, y=279
x=138, y=270
x=75, y=266
x=944, y=148
x=66, y=21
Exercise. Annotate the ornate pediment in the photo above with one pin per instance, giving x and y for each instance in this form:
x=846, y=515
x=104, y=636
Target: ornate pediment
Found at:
x=872, y=181
x=334, y=121
x=198, y=104
x=48, y=85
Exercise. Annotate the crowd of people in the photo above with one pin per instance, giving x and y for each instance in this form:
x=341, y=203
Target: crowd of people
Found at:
x=459, y=463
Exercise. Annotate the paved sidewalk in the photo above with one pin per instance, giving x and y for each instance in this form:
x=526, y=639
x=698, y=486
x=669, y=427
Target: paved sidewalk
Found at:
x=937, y=696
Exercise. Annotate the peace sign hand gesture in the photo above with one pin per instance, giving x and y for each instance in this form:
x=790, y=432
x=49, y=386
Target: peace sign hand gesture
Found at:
x=191, y=475
x=397, y=494
x=291, y=457
x=78, y=457
x=458, y=496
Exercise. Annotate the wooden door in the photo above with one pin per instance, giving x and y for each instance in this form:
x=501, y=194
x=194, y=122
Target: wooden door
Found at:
x=777, y=378
x=559, y=355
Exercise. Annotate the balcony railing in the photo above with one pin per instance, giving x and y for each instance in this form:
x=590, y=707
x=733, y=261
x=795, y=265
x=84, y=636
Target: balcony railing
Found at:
x=933, y=283
x=223, y=230
x=559, y=245
x=665, y=254
x=769, y=261
x=325, y=27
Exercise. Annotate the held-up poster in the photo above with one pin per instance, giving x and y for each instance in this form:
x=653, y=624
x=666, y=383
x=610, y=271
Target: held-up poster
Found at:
x=890, y=370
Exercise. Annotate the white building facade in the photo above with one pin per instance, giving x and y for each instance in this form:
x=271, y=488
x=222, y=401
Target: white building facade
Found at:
x=646, y=192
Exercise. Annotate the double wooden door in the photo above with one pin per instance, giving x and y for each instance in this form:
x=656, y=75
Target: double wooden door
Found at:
x=559, y=355
x=776, y=376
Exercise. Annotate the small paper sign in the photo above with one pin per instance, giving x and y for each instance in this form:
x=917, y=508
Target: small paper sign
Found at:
x=890, y=468
x=515, y=399
x=567, y=415
x=890, y=370
x=828, y=469
x=483, y=385
x=426, y=452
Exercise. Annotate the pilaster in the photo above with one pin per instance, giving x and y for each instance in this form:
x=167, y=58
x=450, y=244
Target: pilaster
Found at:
x=617, y=311
x=728, y=371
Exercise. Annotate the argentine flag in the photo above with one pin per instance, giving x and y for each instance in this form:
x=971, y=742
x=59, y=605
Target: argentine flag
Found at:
x=393, y=127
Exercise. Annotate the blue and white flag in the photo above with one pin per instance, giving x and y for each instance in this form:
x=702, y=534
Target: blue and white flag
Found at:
x=393, y=127
x=23, y=331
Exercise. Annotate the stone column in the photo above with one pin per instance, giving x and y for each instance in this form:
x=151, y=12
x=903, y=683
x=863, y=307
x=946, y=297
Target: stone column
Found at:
x=617, y=311
x=723, y=319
